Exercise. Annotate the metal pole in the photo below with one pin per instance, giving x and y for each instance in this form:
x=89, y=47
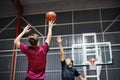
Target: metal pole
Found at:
x=33, y=27
x=112, y=23
x=8, y=25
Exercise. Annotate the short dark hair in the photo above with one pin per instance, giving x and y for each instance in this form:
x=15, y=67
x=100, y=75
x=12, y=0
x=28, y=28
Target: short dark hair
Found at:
x=33, y=39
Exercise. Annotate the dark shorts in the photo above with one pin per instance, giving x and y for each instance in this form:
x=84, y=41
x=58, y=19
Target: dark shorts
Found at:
x=32, y=79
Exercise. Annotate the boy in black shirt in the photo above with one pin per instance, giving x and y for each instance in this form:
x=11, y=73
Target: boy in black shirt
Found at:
x=68, y=72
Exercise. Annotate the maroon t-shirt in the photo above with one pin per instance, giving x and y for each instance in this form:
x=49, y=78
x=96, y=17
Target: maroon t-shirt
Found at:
x=36, y=60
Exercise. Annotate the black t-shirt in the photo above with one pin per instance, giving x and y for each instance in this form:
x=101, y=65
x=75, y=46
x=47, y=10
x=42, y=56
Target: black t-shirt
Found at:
x=68, y=73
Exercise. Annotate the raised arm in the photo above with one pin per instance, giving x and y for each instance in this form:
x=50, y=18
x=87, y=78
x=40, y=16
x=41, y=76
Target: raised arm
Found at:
x=59, y=40
x=49, y=35
x=18, y=38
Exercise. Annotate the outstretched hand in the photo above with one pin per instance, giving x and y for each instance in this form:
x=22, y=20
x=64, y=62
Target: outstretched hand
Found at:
x=27, y=28
x=59, y=39
x=51, y=24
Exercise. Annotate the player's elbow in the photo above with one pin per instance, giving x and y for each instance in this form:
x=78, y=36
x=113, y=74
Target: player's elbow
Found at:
x=81, y=78
x=16, y=43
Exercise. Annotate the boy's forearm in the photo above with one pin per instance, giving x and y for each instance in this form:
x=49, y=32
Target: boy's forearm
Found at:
x=18, y=38
x=61, y=51
x=49, y=35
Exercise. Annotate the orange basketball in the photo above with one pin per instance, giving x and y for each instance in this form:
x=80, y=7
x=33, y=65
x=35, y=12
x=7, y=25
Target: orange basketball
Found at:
x=50, y=16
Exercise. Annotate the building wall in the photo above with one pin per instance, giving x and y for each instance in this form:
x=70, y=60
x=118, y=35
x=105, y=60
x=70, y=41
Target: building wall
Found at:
x=70, y=25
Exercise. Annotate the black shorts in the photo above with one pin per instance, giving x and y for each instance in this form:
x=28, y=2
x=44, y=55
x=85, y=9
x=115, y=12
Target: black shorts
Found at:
x=32, y=79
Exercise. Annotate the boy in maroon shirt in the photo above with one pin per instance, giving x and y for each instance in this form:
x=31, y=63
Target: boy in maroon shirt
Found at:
x=36, y=54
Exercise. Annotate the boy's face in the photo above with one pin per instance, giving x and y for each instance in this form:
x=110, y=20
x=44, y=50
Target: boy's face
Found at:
x=68, y=62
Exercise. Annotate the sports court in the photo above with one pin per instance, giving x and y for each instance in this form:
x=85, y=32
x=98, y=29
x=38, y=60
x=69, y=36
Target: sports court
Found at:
x=90, y=30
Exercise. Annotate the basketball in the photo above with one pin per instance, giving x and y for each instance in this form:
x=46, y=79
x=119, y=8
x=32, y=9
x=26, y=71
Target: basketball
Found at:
x=50, y=16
